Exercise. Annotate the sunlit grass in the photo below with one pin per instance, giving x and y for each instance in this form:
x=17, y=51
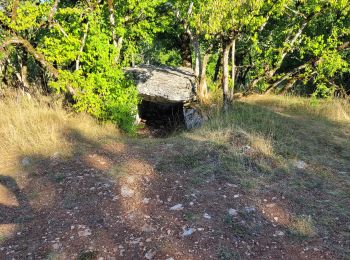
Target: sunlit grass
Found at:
x=29, y=127
x=303, y=227
x=337, y=110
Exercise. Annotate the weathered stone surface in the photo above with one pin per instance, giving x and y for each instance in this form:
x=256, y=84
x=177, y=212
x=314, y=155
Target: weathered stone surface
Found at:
x=193, y=118
x=164, y=84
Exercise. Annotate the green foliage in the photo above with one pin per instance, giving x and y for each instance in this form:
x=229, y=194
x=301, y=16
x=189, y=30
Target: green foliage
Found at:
x=166, y=57
x=107, y=96
x=89, y=43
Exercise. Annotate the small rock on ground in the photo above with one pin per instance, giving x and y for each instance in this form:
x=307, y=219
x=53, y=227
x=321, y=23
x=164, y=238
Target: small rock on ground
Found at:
x=232, y=212
x=207, y=216
x=249, y=209
x=150, y=254
x=300, y=165
x=177, y=207
x=188, y=232
x=126, y=192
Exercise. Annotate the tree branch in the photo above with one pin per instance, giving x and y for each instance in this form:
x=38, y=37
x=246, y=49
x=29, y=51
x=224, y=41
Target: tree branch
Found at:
x=14, y=10
x=17, y=40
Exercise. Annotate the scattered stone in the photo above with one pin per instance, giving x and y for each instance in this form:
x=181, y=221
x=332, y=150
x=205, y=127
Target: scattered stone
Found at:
x=150, y=254
x=170, y=258
x=279, y=233
x=84, y=233
x=147, y=228
x=126, y=192
x=188, y=232
x=232, y=212
x=300, y=165
x=56, y=246
x=207, y=216
x=55, y=156
x=249, y=209
x=131, y=216
x=236, y=196
x=25, y=161
x=145, y=200
x=271, y=205
x=276, y=219
x=246, y=148
x=130, y=179
x=136, y=241
x=177, y=207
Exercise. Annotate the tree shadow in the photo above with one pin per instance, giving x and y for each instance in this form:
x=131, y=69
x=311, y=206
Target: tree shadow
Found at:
x=297, y=137
x=12, y=214
x=79, y=211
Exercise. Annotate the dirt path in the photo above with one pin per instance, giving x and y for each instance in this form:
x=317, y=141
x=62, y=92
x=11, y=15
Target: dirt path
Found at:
x=115, y=202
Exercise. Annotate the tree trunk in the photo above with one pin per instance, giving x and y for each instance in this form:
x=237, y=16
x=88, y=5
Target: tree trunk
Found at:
x=53, y=11
x=291, y=43
x=14, y=10
x=22, y=73
x=285, y=77
x=288, y=86
x=4, y=72
x=119, y=48
x=24, y=70
x=16, y=40
x=40, y=58
x=197, y=53
x=233, y=76
x=225, y=76
x=186, y=54
x=217, y=68
x=83, y=42
x=116, y=42
x=203, y=87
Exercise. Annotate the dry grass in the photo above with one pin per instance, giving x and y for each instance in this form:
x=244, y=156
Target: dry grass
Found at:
x=33, y=128
x=337, y=110
x=303, y=227
x=255, y=146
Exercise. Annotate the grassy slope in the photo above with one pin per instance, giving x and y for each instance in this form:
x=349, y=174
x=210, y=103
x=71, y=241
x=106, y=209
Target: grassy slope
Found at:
x=259, y=144
x=256, y=146
x=30, y=128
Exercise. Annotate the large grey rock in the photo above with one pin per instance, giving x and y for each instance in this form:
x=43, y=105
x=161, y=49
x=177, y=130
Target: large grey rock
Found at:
x=193, y=118
x=164, y=84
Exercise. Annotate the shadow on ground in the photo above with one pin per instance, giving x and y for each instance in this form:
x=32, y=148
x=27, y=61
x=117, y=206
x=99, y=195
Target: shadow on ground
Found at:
x=112, y=199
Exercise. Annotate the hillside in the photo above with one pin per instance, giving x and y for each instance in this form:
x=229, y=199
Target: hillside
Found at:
x=269, y=179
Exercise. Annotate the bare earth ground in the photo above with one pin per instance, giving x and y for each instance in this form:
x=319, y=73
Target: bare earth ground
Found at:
x=113, y=199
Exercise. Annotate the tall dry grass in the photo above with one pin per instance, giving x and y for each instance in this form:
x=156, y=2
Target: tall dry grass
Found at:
x=30, y=127
x=337, y=110
x=281, y=126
